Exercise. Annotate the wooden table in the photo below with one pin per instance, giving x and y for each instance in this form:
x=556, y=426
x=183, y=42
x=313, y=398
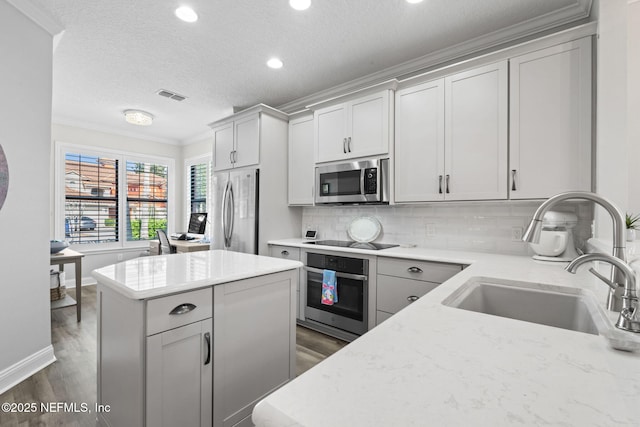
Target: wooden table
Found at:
x=69, y=256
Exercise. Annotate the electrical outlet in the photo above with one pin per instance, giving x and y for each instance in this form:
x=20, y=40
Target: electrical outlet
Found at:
x=119, y=257
x=516, y=233
x=430, y=229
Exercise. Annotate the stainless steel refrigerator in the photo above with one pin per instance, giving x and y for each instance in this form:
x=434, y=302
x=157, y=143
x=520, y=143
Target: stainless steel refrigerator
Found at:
x=235, y=210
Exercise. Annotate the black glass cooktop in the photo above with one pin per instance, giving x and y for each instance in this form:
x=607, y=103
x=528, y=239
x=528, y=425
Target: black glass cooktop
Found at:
x=351, y=244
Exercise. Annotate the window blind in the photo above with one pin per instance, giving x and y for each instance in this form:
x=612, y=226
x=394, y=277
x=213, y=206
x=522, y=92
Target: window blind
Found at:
x=146, y=200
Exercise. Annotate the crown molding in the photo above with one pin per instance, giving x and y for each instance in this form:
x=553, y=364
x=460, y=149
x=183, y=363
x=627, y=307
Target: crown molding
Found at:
x=580, y=10
x=37, y=15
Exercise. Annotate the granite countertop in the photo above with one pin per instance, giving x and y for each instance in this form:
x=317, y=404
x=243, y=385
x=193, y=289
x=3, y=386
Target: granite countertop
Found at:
x=154, y=276
x=436, y=365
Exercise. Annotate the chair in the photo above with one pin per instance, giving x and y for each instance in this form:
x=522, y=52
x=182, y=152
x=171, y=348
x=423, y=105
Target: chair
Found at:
x=165, y=246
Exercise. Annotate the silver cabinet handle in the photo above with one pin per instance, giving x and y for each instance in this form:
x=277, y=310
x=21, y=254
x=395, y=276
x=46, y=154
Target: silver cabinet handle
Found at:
x=412, y=298
x=344, y=145
x=284, y=253
x=183, y=308
x=513, y=180
x=414, y=270
x=207, y=340
x=447, y=184
x=235, y=156
x=231, y=157
x=439, y=184
x=349, y=144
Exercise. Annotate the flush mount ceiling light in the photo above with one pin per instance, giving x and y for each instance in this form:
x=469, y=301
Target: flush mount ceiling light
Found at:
x=300, y=4
x=186, y=14
x=137, y=117
x=274, y=63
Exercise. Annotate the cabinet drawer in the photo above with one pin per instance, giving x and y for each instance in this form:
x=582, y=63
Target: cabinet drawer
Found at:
x=286, y=252
x=188, y=307
x=420, y=270
x=395, y=293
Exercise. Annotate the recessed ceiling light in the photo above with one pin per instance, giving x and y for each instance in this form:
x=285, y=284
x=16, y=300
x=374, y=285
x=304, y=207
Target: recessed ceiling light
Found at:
x=274, y=63
x=300, y=4
x=414, y=1
x=186, y=14
x=138, y=117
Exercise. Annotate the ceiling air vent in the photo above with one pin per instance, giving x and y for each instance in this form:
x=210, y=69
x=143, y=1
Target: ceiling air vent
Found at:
x=171, y=95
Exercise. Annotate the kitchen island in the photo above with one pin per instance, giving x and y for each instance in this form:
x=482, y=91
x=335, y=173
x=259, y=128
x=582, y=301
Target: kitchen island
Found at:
x=431, y=364
x=193, y=339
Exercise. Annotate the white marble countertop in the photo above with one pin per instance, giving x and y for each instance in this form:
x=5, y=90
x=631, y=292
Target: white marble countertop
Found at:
x=154, y=276
x=436, y=365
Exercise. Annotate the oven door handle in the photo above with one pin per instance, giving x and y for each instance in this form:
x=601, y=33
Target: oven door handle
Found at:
x=338, y=274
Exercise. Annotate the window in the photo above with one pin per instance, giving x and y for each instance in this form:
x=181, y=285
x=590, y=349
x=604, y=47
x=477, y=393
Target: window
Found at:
x=91, y=199
x=111, y=199
x=198, y=187
x=146, y=200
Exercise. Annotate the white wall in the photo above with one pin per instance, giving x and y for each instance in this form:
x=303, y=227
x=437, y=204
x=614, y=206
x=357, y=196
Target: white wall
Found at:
x=633, y=104
x=25, y=117
x=615, y=156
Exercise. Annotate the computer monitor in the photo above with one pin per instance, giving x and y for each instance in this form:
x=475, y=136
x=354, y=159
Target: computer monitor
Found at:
x=197, y=223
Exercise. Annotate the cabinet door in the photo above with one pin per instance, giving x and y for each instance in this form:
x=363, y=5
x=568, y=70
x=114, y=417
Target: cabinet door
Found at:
x=179, y=376
x=476, y=134
x=419, y=143
x=247, y=141
x=330, y=133
x=301, y=161
x=368, y=125
x=223, y=147
x=550, y=121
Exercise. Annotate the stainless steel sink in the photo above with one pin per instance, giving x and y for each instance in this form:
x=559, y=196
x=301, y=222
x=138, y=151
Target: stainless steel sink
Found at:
x=557, y=306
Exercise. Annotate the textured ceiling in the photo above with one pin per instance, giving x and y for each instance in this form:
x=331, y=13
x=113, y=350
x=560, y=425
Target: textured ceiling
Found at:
x=116, y=54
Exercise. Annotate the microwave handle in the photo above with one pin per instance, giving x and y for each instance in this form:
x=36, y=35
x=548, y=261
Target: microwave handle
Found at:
x=362, y=181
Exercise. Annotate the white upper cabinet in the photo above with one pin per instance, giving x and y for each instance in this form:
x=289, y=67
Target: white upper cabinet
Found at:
x=301, y=163
x=476, y=134
x=237, y=143
x=451, y=137
x=419, y=142
x=356, y=128
x=237, y=139
x=223, y=147
x=247, y=141
x=550, y=121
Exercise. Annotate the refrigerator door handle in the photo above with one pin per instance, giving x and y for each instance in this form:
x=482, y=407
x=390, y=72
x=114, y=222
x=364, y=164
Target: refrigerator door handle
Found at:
x=232, y=209
x=225, y=196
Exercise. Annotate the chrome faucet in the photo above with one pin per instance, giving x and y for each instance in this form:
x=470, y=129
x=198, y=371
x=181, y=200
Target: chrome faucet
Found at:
x=629, y=319
x=532, y=235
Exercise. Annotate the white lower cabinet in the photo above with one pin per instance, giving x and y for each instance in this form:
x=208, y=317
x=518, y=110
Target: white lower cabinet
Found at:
x=293, y=253
x=179, y=376
x=403, y=281
x=196, y=358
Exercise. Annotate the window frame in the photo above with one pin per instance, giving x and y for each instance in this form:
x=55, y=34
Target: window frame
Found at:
x=192, y=161
x=61, y=148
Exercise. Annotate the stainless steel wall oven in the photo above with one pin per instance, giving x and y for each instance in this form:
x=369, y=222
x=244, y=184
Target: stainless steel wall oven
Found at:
x=350, y=313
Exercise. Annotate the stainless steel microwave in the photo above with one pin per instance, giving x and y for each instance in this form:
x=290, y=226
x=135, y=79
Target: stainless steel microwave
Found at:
x=357, y=182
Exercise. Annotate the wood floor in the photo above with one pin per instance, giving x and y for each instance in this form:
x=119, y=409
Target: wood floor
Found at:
x=72, y=379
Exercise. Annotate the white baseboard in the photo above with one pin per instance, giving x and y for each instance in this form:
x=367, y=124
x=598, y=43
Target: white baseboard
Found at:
x=28, y=366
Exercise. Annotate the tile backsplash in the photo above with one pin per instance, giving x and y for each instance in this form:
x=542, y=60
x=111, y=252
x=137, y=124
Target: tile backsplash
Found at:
x=494, y=227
